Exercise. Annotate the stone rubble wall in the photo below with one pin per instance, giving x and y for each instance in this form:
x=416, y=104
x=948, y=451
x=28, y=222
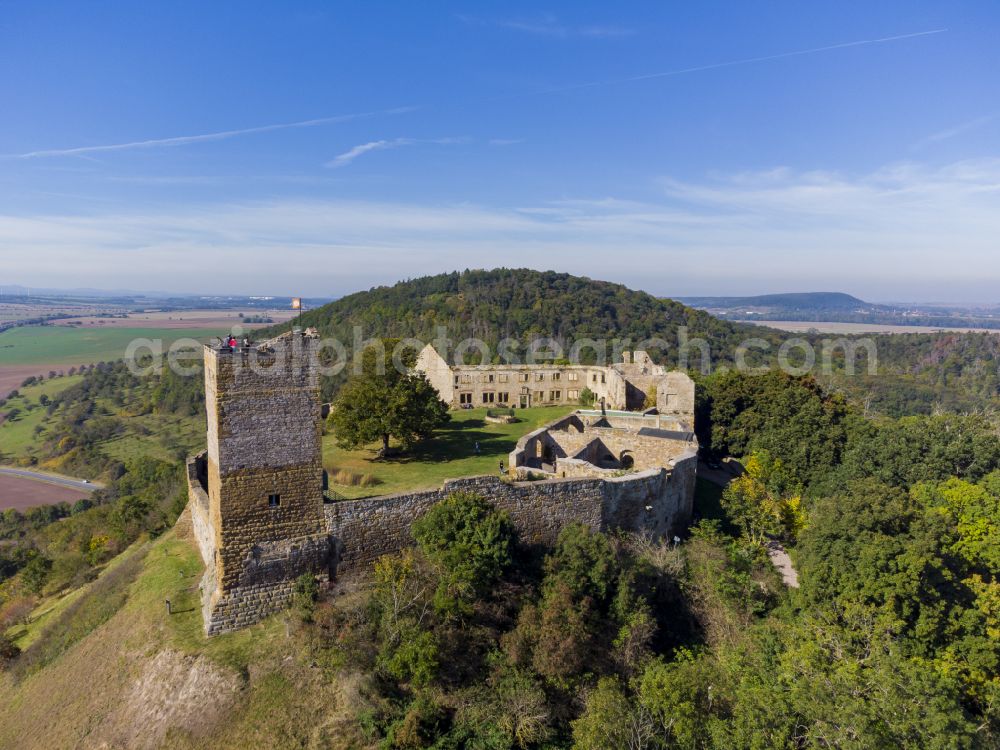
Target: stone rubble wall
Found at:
x=569, y=468
x=267, y=582
x=656, y=502
x=201, y=525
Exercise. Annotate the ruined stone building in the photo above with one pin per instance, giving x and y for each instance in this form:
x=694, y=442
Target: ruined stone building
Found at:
x=625, y=385
x=259, y=515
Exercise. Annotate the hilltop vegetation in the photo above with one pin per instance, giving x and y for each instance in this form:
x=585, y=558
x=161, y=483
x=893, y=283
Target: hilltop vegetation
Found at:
x=792, y=303
x=519, y=304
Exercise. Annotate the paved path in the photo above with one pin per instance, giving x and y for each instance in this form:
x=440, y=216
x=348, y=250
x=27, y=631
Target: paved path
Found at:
x=779, y=557
x=76, y=484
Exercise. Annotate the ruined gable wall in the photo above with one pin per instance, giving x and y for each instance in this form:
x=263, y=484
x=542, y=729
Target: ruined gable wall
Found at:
x=675, y=397
x=438, y=372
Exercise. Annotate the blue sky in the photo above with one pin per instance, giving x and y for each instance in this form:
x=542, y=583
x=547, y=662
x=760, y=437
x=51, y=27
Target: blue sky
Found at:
x=682, y=148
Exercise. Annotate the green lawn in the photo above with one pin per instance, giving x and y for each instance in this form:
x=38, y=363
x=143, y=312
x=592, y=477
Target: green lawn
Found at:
x=158, y=436
x=19, y=435
x=449, y=454
x=55, y=345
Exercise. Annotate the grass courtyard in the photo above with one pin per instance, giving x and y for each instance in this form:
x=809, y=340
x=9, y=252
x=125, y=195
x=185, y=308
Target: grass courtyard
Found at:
x=449, y=454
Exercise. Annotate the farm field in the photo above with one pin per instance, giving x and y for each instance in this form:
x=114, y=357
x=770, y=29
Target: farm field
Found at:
x=181, y=319
x=46, y=346
x=20, y=311
x=21, y=493
x=449, y=454
x=12, y=377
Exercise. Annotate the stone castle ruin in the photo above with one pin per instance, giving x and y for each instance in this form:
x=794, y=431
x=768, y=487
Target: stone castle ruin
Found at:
x=261, y=518
x=624, y=385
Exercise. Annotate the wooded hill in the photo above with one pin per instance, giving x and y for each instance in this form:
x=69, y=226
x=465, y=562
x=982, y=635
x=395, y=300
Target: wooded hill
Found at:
x=917, y=372
x=520, y=303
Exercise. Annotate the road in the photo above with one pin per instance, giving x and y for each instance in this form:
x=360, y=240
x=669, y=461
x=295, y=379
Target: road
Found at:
x=75, y=484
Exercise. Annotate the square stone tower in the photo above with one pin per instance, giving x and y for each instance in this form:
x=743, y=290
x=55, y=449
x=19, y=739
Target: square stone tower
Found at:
x=264, y=477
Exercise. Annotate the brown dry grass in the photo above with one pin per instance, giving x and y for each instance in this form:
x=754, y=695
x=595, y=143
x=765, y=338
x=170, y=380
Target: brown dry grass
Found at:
x=351, y=479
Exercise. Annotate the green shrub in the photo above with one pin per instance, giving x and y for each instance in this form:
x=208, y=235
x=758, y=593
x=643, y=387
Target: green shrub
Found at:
x=469, y=543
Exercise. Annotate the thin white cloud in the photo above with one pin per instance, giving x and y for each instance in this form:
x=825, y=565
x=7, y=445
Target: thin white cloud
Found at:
x=185, y=140
x=86, y=152
x=773, y=229
x=549, y=25
x=742, y=61
x=957, y=130
x=505, y=141
x=342, y=160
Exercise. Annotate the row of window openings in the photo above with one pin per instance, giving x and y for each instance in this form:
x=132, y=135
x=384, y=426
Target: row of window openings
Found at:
x=504, y=398
x=524, y=377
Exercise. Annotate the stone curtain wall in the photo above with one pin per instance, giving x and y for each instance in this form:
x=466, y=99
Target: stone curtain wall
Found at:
x=201, y=526
x=656, y=502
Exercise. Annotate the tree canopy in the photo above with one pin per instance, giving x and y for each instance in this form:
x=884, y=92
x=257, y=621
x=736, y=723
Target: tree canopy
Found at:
x=385, y=401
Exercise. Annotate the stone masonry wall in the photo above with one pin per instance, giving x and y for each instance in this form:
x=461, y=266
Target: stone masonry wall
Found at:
x=250, y=521
x=650, y=502
x=201, y=526
x=675, y=397
x=267, y=582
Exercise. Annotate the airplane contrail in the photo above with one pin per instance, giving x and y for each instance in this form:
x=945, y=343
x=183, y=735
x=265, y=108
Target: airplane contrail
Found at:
x=224, y=134
x=743, y=61
x=217, y=136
